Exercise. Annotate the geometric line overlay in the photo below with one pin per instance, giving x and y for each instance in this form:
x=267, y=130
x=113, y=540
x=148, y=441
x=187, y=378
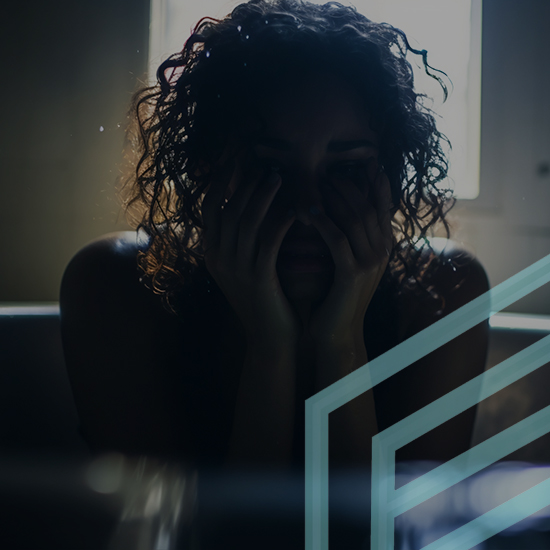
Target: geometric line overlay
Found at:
x=388, y=502
x=496, y=520
x=393, y=502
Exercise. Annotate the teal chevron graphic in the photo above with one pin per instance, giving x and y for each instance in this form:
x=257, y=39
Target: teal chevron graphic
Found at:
x=386, y=502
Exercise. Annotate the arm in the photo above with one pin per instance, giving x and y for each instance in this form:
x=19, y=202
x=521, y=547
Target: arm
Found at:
x=263, y=425
x=444, y=369
x=243, y=263
x=353, y=425
x=118, y=343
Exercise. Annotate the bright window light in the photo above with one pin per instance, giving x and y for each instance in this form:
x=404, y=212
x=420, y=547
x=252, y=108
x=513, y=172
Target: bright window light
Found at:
x=518, y=321
x=449, y=30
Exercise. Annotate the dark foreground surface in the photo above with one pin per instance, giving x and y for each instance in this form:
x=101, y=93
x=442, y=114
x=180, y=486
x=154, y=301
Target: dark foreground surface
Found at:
x=117, y=503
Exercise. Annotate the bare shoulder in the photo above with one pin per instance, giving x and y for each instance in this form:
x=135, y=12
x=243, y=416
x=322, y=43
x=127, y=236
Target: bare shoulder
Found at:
x=460, y=277
x=456, y=279
x=104, y=263
x=103, y=278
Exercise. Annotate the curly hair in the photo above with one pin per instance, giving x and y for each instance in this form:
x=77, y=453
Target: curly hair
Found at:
x=182, y=125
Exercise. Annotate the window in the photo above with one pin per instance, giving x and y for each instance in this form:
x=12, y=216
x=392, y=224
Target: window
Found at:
x=449, y=30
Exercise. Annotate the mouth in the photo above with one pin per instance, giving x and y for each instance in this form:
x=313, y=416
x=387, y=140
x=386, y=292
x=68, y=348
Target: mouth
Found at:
x=304, y=256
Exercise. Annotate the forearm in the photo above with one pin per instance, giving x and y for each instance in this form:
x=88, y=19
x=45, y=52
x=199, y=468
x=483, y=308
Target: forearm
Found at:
x=353, y=425
x=263, y=425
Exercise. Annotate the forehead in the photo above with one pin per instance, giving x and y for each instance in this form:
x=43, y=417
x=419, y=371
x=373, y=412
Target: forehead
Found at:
x=315, y=105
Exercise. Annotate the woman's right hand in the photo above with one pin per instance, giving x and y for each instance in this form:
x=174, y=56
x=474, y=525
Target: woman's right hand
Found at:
x=242, y=237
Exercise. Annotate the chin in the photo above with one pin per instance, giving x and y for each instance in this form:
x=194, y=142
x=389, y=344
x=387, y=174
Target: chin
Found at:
x=305, y=287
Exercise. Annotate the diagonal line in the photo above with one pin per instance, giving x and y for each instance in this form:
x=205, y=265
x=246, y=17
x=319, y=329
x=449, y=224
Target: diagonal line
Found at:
x=470, y=462
x=493, y=522
x=467, y=395
x=384, y=464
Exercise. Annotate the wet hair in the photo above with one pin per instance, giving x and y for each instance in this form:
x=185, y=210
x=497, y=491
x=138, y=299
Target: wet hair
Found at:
x=182, y=126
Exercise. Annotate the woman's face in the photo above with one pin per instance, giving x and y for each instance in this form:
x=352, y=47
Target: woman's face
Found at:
x=316, y=130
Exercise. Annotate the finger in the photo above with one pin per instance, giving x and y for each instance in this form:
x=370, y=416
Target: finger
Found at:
x=255, y=214
x=346, y=208
x=383, y=200
x=366, y=184
x=356, y=191
x=372, y=210
x=242, y=186
x=245, y=181
x=378, y=241
x=378, y=209
x=245, y=184
x=213, y=202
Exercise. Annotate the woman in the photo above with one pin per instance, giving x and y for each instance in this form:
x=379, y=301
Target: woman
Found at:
x=286, y=183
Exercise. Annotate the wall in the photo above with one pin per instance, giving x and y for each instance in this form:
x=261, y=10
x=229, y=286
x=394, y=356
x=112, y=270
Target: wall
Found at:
x=508, y=226
x=68, y=68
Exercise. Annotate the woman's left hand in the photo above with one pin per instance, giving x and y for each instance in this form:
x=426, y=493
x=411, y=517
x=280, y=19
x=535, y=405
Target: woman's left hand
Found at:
x=356, y=226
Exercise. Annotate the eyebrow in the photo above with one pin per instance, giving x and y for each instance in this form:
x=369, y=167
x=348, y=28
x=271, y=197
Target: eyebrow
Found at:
x=333, y=146
x=339, y=146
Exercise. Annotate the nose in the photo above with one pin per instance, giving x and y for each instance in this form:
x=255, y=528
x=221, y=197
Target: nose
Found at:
x=302, y=193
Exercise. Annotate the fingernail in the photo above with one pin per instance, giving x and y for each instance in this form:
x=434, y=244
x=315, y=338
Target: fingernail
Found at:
x=314, y=210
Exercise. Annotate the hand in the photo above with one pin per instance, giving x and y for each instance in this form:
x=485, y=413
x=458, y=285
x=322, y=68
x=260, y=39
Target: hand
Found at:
x=242, y=238
x=356, y=226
